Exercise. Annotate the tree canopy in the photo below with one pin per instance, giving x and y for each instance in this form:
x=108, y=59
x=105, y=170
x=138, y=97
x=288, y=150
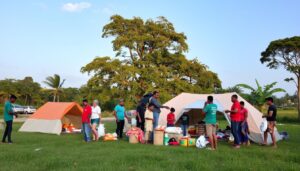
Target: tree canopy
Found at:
x=149, y=56
x=286, y=53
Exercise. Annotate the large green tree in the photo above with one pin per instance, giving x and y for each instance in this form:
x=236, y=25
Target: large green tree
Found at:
x=55, y=83
x=258, y=95
x=149, y=55
x=27, y=91
x=286, y=53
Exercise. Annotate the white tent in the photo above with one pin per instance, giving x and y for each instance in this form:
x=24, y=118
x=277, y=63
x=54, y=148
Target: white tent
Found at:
x=193, y=104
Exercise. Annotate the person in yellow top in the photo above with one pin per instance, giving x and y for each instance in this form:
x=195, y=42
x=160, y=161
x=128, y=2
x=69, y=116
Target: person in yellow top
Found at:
x=149, y=122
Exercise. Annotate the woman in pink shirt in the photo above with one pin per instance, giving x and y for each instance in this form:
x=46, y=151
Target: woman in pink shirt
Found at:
x=245, y=128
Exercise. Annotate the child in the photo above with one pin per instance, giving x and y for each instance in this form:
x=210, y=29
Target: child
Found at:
x=184, y=123
x=149, y=122
x=171, y=118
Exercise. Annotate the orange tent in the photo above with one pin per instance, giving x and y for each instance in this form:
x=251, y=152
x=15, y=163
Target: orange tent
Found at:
x=51, y=116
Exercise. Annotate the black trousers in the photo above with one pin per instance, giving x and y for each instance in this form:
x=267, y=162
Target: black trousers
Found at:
x=7, y=132
x=120, y=128
x=141, y=124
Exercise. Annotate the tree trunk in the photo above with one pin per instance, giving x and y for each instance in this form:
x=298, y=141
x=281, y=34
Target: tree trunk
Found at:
x=298, y=93
x=57, y=98
x=54, y=97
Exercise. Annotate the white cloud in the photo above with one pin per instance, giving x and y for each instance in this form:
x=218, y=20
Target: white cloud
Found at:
x=76, y=7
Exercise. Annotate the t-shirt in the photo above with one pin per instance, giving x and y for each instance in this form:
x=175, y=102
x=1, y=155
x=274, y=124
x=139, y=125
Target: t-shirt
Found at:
x=86, y=115
x=96, y=111
x=141, y=110
x=7, y=109
x=120, y=112
x=236, y=117
x=185, y=119
x=171, y=118
x=273, y=117
x=156, y=104
x=148, y=123
x=210, y=111
x=243, y=114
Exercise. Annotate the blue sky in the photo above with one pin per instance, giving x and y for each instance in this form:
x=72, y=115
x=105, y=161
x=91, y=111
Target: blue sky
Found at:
x=41, y=38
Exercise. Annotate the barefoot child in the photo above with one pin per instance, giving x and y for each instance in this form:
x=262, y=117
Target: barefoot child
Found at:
x=149, y=122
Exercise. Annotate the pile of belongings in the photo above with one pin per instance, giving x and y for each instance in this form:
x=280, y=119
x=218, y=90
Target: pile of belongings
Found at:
x=174, y=130
x=224, y=134
x=173, y=142
x=192, y=130
x=137, y=132
x=101, y=130
x=110, y=137
x=201, y=142
x=69, y=128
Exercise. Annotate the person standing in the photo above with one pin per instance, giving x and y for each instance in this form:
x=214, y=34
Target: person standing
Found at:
x=86, y=120
x=149, y=123
x=244, y=125
x=157, y=106
x=119, y=113
x=141, y=109
x=95, y=119
x=210, y=112
x=235, y=116
x=185, y=120
x=171, y=118
x=8, y=118
x=271, y=118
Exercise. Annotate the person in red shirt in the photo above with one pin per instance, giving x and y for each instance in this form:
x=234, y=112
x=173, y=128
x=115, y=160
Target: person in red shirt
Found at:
x=235, y=116
x=86, y=119
x=244, y=124
x=171, y=118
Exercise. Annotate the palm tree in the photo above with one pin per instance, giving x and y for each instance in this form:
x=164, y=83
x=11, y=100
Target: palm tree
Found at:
x=56, y=85
x=257, y=96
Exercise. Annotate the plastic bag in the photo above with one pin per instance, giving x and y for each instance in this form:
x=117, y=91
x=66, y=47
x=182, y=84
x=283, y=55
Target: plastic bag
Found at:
x=101, y=130
x=201, y=142
x=264, y=125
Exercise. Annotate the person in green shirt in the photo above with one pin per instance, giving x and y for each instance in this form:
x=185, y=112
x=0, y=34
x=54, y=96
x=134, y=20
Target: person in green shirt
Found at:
x=8, y=118
x=210, y=112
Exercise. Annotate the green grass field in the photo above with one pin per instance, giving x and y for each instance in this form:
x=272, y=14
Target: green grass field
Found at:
x=34, y=151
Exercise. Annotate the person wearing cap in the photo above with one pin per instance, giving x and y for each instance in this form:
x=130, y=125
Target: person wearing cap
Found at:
x=95, y=119
x=86, y=120
x=119, y=113
x=8, y=118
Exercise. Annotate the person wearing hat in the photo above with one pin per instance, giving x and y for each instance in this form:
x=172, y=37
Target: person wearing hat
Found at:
x=86, y=120
x=119, y=113
x=95, y=119
x=8, y=118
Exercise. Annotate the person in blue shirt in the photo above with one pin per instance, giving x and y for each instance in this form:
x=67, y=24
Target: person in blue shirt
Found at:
x=8, y=118
x=119, y=113
x=157, y=106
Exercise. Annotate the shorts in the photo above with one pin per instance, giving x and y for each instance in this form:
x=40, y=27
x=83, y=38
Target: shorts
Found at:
x=95, y=121
x=210, y=129
x=271, y=126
